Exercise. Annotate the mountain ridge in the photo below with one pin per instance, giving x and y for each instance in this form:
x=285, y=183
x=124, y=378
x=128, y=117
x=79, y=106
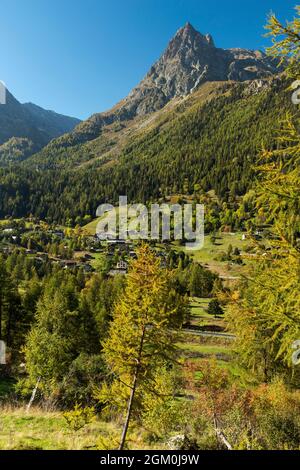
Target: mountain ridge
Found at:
x=29, y=122
x=190, y=60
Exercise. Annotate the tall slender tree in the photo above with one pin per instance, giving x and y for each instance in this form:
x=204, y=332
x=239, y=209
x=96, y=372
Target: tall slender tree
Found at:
x=140, y=342
x=266, y=312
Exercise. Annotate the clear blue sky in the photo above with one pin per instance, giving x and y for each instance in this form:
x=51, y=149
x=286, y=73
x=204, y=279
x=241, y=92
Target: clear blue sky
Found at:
x=78, y=57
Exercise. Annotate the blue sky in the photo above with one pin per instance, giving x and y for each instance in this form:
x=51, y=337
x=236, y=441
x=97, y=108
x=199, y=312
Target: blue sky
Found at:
x=78, y=57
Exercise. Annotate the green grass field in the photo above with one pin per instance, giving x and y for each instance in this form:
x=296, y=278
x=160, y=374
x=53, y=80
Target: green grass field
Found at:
x=211, y=252
x=90, y=228
x=44, y=430
x=199, y=315
x=206, y=350
x=98, y=261
x=195, y=348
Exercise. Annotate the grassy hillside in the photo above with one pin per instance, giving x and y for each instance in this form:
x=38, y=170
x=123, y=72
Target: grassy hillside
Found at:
x=211, y=254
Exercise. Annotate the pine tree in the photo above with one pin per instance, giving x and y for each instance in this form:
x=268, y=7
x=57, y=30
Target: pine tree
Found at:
x=3, y=285
x=214, y=308
x=12, y=317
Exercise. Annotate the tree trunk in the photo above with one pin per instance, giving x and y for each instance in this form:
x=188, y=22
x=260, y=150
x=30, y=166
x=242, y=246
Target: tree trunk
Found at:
x=33, y=395
x=223, y=439
x=220, y=435
x=132, y=393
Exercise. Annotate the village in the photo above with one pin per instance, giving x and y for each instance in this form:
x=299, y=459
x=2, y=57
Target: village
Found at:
x=70, y=249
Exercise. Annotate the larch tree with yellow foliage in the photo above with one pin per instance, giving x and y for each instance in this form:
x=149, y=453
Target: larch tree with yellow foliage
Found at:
x=140, y=342
x=265, y=314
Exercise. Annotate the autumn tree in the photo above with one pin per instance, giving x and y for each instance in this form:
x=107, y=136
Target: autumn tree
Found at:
x=265, y=314
x=286, y=42
x=140, y=341
x=262, y=417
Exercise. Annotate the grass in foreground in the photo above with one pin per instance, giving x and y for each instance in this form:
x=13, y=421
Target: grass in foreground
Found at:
x=204, y=349
x=41, y=430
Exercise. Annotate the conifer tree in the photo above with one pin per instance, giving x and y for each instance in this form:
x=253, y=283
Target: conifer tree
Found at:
x=12, y=317
x=214, y=308
x=266, y=312
x=140, y=342
x=64, y=328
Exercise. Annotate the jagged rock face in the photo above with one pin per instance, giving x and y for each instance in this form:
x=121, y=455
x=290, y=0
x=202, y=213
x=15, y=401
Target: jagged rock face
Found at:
x=190, y=60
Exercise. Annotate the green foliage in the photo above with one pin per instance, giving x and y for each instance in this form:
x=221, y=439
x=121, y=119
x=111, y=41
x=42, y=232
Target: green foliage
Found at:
x=16, y=149
x=266, y=313
x=64, y=328
x=201, y=281
x=163, y=413
x=13, y=319
x=195, y=280
x=79, y=417
x=84, y=375
x=214, y=308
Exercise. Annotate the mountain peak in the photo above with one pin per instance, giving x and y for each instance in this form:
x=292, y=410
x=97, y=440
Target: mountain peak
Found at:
x=188, y=41
x=188, y=27
x=189, y=34
x=190, y=60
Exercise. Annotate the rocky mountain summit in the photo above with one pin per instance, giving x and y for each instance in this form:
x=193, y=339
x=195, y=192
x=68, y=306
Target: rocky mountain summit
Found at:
x=190, y=60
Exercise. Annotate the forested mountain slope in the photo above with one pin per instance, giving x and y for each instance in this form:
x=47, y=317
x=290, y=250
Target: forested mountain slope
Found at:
x=190, y=60
x=208, y=140
x=195, y=122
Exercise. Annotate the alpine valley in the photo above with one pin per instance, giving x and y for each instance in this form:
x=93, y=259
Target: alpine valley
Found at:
x=145, y=342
